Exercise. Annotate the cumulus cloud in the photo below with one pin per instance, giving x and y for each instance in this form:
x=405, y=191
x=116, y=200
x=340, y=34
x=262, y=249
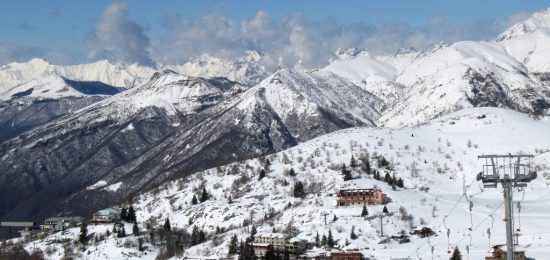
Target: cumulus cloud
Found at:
x=296, y=40
x=293, y=40
x=117, y=38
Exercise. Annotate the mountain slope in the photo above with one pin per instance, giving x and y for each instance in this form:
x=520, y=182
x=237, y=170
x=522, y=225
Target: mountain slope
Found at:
x=465, y=74
x=170, y=126
x=431, y=157
x=40, y=101
x=435, y=155
x=369, y=73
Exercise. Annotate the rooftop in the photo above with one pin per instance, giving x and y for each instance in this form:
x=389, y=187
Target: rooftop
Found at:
x=106, y=211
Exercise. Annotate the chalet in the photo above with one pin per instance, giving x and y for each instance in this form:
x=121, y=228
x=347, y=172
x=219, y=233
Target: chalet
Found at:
x=277, y=240
x=61, y=223
x=106, y=215
x=340, y=256
x=29, y=229
x=351, y=197
x=401, y=238
x=423, y=232
x=499, y=253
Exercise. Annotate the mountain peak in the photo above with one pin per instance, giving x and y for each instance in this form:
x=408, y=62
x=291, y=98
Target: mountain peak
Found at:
x=351, y=53
x=538, y=20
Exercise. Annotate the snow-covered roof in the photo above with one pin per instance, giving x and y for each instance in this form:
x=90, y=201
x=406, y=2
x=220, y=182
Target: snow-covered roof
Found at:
x=271, y=235
x=106, y=211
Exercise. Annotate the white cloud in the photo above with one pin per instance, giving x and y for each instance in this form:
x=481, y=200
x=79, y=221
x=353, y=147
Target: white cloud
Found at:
x=117, y=38
x=294, y=39
x=297, y=40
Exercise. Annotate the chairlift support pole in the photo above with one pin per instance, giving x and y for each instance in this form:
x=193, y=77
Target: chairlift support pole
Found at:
x=514, y=174
x=381, y=216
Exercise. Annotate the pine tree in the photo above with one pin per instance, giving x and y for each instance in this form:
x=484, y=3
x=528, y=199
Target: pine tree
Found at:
x=140, y=244
x=121, y=232
x=124, y=214
x=262, y=175
x=83, y=236
x=286, y=254
x=195, y=236
x=317, y=242
x=246, y=251
x=364, y=212
x=292, y=172
x=135, y=229
x=270, y=253
x=253, y=232
x=324, y=240
x=387, y=178
x=393, y=181
x=352, y=235
x=267, y=163
x=330, y=239
x=114, y=228
x=334, y=218
x=376, y=175
x=131, y=217
x=299, y=189
x=400, y=183
x=194, y=200
x=353, y=162
x=202, y=236
x=204, y=195
x=366, y=165
x=385, y=210
x=233, y=245
x=382, y=162
x=346, y=173
x=167, y=225
x=456, y=254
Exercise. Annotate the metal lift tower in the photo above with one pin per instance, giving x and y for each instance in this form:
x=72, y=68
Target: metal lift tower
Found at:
x=510, y=171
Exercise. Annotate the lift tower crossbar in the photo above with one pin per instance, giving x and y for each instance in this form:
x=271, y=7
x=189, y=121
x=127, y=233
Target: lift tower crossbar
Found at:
x=510, y=172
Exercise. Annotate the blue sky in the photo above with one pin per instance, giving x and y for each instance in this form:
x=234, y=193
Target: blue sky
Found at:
x=67, y=31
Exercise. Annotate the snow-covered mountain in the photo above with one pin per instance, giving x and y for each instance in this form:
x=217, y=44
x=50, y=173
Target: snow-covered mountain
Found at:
x=432, y=160
x=537, y=21
x=57, y=87
x=512, y=71
x=170, y=126
x=246, y=70
x=435, y=156
x=465, y=74
x=14, y=74
x=369, y=73
x=40, y=101
x=214, y=123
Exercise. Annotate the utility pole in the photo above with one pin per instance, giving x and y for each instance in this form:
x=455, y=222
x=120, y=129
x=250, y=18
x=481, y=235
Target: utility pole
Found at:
x=381, y=216
x=514, y=174
x=324, y=214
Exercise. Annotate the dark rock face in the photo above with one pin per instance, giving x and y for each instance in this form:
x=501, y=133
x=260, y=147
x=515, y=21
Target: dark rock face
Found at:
x=93, y=87
x=489, y=92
